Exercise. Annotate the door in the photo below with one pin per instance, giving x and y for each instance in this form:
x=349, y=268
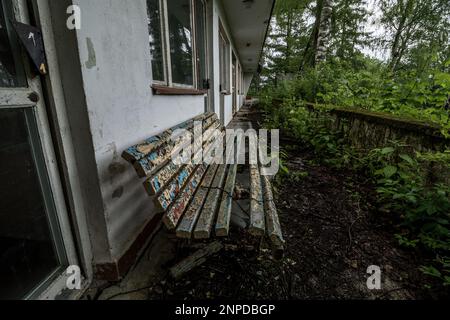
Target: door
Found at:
x=33, y=218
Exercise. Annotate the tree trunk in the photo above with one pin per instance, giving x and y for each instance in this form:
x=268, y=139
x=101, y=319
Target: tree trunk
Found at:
x=396, y=45
x=323, y=32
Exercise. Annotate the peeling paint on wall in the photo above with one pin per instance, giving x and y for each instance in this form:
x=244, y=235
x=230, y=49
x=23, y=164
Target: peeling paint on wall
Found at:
x=118, y=193
x=92, y=60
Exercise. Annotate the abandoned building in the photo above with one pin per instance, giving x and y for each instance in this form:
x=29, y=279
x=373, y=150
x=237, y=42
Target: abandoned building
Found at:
x=125, y=71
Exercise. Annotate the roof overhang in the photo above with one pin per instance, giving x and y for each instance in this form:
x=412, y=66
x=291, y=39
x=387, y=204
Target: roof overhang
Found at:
x=249, y=21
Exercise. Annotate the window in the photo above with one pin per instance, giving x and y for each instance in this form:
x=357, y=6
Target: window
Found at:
x=29, y=241
x=11, y=70
x=155, y=38
x=200, y=36
x=178, y=42
x=180, y=35
x=225, y=57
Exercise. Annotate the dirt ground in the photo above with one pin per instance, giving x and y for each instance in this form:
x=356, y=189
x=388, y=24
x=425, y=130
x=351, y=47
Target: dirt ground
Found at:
x=333, y=230
x=333, y=234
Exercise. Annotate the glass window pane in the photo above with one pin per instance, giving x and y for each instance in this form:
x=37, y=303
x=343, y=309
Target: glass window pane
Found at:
x=224, y=53
x=11, y=70
x=180, y=34
x=27, y=252
x=200, y=27
x=155, y=39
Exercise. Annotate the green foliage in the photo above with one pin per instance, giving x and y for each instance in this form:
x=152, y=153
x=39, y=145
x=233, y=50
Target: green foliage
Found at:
x=413, y=81
x=409, y=94
x=404, y=189
x=402, y=179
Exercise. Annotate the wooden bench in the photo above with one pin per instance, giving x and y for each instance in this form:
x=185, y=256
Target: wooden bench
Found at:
x=197, y=199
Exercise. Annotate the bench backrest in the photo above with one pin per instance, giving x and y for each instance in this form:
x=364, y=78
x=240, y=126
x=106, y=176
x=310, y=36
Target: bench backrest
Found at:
x=152, y=159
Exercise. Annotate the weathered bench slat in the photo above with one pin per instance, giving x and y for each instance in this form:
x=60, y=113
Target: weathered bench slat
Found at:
x=224, y=215
x=195, y=260
x=174, y=187
x=206, y=219
x=272, y=220
x=154, y=160
x=226, y=205
x=209, y=120
x=207, y=139
x=197, y=197
x=175, y=212
x=192, y=213
x=160, y=180
x=208, y=213
x=172, y=190
x=157, y=182
x=137, y=152
x=257, y=220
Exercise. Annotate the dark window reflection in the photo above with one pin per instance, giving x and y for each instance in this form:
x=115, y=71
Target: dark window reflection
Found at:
x=155, y=38
x=11, y=72
x=27, y=252
x=180, y=33
x=200, y=27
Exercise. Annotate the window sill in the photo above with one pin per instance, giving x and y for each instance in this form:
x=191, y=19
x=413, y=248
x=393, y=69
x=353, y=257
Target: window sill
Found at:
x=170, y=91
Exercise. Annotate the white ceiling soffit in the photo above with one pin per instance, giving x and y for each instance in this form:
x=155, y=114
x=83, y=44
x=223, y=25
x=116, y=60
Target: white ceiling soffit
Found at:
x=248, y=21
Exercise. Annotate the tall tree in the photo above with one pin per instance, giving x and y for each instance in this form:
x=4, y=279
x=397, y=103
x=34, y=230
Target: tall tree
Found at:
x=348, y=28
x=412, y=23
x=287, y=38
x=323, y=25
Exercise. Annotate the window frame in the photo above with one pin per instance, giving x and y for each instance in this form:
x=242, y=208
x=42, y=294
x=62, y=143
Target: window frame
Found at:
x=225, y=88
x=206, y=45
x=167, y=59
x=163, y=44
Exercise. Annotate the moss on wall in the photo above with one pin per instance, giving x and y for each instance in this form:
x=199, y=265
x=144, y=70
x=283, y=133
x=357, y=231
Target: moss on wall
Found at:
x=368, y=130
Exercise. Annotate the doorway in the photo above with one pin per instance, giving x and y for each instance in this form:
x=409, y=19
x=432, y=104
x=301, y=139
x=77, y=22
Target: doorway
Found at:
x=35, y=238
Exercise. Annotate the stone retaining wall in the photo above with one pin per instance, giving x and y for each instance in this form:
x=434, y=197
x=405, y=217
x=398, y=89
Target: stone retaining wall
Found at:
x=368, y=130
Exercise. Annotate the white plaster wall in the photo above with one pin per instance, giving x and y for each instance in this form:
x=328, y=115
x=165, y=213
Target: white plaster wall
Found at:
x=241, y=101
x=114, y=50
x=228, y=111
x=116, y=71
